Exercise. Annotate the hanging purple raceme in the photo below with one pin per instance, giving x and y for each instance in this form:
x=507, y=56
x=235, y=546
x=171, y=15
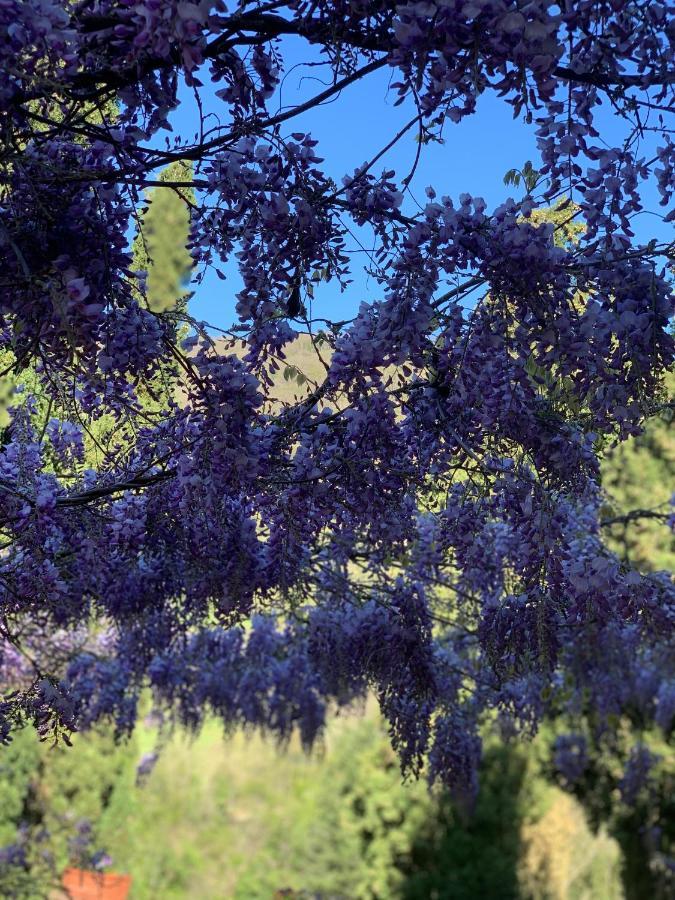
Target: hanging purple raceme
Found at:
x=424, y=522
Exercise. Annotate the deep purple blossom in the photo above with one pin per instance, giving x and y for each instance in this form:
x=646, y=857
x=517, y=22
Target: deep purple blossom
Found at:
x=424, y=523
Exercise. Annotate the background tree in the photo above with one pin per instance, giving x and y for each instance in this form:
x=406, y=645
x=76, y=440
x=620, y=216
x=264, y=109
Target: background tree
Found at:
x=639, y=474
x=160, y=246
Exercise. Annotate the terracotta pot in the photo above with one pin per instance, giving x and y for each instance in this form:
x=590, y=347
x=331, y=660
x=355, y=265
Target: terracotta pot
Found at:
x=83, y=885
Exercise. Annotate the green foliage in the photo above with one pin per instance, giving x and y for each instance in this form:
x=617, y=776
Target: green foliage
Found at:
x=524, y=840
x=160, y=247
x=241, y=820
x=528, y=175
x=76, y=783
x=474, y=856
x=362, y=843
x=640, y=474
x=46, y=792
x=562, y=216
x=214, y=819
x=19, y=764
x=6, y=388
x=644, y=829
x=245, y=821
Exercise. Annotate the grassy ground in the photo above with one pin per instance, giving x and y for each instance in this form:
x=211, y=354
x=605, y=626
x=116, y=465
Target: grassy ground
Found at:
x=211, y=814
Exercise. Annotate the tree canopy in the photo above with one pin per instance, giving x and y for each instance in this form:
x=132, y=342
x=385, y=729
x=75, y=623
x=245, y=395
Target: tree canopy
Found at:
x=425, y=519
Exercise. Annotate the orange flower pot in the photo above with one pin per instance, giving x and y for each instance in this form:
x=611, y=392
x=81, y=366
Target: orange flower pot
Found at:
x=83, y=885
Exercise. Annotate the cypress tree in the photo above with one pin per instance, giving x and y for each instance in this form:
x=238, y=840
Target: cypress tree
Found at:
x=160, y=246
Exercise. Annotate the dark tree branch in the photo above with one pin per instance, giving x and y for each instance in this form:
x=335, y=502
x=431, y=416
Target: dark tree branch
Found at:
x=108, y=490
x=634, y=515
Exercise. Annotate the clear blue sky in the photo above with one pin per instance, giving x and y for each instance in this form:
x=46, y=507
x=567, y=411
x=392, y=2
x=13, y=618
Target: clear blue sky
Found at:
x=353, y=128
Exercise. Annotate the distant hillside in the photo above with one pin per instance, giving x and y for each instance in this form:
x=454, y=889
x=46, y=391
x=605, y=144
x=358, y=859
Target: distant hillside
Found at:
x=298, y=373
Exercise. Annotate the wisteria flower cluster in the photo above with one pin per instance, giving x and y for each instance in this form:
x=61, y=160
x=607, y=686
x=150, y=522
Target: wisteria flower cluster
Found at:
x=424, y=522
